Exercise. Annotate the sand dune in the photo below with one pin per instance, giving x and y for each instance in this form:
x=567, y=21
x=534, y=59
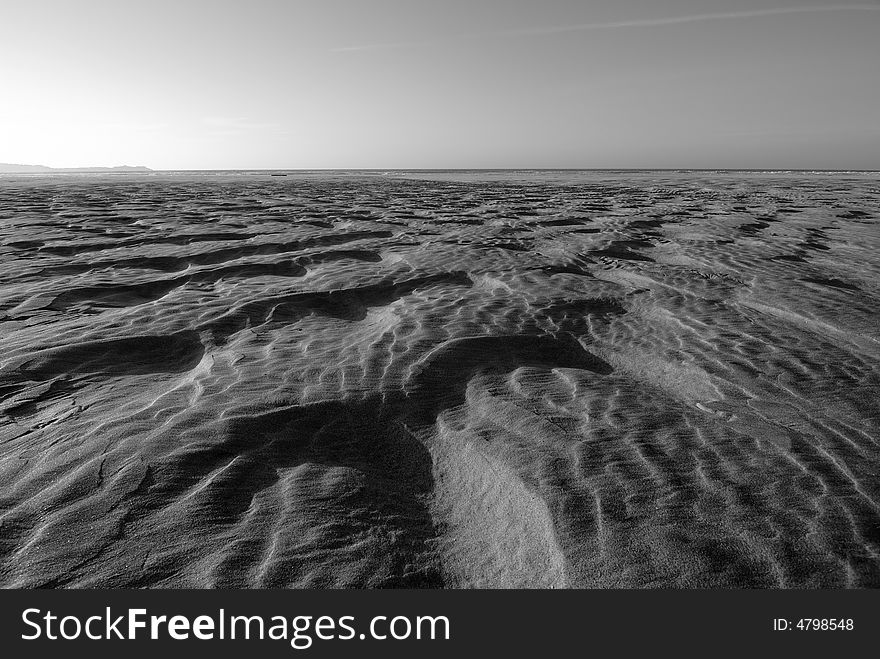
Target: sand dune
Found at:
x=440, y=380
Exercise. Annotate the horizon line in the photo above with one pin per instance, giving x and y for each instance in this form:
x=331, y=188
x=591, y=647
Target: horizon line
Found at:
x=149, y=170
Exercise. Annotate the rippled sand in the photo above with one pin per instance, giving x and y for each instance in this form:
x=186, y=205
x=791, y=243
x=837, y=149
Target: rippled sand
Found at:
x=447, y=380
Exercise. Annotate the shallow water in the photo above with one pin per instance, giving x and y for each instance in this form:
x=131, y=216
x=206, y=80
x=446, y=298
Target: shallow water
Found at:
x=459, y=379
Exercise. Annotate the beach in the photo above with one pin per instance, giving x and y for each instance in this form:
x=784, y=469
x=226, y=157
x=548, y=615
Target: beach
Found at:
x=508, y=379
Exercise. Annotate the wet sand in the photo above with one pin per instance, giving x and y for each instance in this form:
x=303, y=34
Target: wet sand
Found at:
x=440, y=380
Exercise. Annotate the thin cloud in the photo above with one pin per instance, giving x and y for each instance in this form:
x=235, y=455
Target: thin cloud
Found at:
x=693, y=18
x=380, y=46
x=648, y=22
x=231, y=126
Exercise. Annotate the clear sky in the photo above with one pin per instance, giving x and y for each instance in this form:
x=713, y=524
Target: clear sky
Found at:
x=440, y=83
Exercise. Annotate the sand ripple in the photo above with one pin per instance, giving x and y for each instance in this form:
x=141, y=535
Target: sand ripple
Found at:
x=443, y=381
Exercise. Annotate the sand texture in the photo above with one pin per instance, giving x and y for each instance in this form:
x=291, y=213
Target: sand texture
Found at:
x=440, y=381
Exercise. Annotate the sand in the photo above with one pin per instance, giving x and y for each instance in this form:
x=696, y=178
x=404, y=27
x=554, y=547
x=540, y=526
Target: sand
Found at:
x=440, y=380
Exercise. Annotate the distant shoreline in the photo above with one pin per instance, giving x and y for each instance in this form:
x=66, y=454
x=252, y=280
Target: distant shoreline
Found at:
x=9, y=168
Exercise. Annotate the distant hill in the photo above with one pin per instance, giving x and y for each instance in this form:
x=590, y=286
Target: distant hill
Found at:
x=6, y=168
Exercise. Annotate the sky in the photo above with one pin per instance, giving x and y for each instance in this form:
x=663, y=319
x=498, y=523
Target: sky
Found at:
x=222, y=84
